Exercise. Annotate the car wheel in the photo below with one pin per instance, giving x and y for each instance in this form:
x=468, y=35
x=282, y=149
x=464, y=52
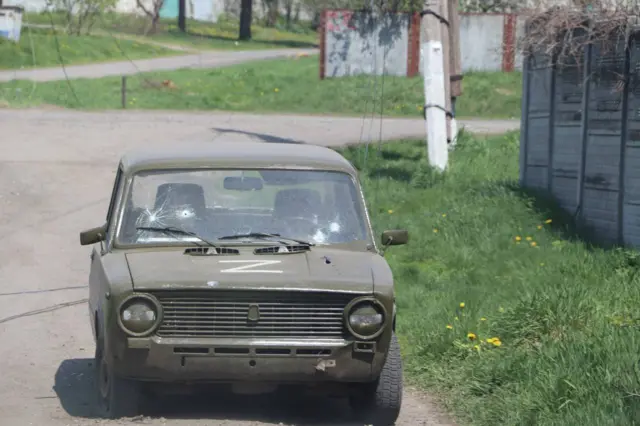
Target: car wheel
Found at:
x=117, y=397
x=379, y=403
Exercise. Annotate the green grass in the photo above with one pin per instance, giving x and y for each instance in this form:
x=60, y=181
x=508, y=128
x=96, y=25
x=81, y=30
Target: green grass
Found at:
x=200, y=35
x=566, y=313
x=73, y=49
x=290, y=85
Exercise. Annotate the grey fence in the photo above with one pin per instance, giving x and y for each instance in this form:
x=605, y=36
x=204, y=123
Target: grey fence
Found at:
x=580, y=139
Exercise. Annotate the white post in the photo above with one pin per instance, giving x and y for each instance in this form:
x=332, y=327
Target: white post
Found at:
x=432, y=56
x=434, y=95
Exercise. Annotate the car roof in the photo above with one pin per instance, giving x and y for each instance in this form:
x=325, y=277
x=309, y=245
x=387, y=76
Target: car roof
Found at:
x=235, y=155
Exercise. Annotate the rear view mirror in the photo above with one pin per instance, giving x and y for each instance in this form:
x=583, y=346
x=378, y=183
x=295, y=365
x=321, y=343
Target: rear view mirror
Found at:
x=93, y=235
x=235, y=183
x=395, y=237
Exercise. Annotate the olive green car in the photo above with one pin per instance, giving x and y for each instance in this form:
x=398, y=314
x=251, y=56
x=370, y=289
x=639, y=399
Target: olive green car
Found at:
x=249, y=265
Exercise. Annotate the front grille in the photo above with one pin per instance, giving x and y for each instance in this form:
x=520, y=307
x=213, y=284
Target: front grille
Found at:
x=223, y=313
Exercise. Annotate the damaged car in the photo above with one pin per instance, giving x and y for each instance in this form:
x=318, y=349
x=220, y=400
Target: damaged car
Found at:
x=244, y=265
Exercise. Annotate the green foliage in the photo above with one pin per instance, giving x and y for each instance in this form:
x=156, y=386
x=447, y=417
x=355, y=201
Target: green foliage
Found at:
x=39, y=48
x=554, y=321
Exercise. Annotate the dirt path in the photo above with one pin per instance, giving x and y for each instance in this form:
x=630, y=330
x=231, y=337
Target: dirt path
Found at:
x=204, y=59
x=56, y=170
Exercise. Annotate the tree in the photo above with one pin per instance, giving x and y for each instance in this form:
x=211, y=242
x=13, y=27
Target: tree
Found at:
x=246, y=15
x=272, y=12
x=153, y=13
x=80, y=15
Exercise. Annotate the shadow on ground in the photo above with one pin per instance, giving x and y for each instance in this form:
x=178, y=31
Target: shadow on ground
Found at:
x=262, y=136
x=74, y=386
x=279, y=43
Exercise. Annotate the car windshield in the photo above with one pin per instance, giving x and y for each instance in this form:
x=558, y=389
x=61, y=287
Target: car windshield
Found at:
x=321, y=207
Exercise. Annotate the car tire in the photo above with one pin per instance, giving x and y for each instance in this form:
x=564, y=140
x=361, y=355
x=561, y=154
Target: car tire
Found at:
x=379, y=403
x=117, y=397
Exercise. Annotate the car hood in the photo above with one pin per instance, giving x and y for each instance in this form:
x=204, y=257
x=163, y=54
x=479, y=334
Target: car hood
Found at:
x=318, y=269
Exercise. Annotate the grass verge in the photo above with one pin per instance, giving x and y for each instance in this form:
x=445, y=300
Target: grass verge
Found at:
x=200, y=35
x=73, y=49
x=290, y=85
x=561, y=316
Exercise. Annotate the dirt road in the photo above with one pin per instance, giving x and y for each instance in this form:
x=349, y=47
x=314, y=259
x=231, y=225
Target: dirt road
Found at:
x=205, y=59
x=56, y=169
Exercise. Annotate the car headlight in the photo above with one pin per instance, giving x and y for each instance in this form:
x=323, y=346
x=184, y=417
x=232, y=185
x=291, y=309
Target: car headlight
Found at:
x=365, y=318
x=139, y=315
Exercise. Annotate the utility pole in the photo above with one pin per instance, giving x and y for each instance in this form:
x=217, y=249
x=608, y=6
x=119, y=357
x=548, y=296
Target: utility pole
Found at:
x=455, y=65
x=446, y=57
x=431, y=50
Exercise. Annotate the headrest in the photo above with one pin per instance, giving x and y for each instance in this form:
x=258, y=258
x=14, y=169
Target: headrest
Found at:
x=297, y=202
x=180, y=194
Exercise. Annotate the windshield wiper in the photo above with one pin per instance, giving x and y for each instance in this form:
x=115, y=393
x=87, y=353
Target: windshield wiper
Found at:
x=264, y=235
x=171, y=230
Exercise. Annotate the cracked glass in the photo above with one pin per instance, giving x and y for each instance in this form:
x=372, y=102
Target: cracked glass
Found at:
x=322, y=207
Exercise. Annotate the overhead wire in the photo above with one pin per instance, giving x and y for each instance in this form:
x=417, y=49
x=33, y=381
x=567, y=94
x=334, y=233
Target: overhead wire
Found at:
x=370, y=83
x=33, y=57
x=128, y=58
x=379, y=150
x=146, y=79
x=59, y=52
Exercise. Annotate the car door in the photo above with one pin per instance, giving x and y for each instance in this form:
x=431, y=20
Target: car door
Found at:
x=96, y=271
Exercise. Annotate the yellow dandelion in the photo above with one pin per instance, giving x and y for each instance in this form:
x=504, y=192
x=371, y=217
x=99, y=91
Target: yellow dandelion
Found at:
x=471, y=336
x=490, y=340
x=276, y=90
x=449, y=327
x=518, y=238
x=435, y=230
x=533, y=244
x=483, y=319
x=529, y=238
x=390, y=212
x=496, y=342
x=539, y=226
x=476, y=347
x=548, y=221
x=444, y=215
x=462, y=304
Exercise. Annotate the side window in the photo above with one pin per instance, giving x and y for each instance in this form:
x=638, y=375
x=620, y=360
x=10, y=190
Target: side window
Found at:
x=114, y=194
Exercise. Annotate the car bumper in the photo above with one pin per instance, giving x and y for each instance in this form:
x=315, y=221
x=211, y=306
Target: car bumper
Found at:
x=256, y=360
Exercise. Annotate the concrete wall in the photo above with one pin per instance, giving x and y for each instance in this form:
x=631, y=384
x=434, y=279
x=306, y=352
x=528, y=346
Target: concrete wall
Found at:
x=361, y=43
x=481, y=39
x=488, y=42
x=579, y=146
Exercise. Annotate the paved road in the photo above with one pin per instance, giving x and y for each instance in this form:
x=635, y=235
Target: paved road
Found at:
x=56, y=170
x=205, y=59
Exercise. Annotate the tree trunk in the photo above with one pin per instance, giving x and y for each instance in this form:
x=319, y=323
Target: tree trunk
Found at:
x=154, y=24
x=272, y=13
x=289, y=11
x=246, y=15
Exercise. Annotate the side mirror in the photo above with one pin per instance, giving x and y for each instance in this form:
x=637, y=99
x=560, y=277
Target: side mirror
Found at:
x=395, y=237
x=93, y=235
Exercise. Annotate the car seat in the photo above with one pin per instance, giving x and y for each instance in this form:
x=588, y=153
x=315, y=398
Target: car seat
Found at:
x=297, y=203
x=177, y=195
x=295, y=211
